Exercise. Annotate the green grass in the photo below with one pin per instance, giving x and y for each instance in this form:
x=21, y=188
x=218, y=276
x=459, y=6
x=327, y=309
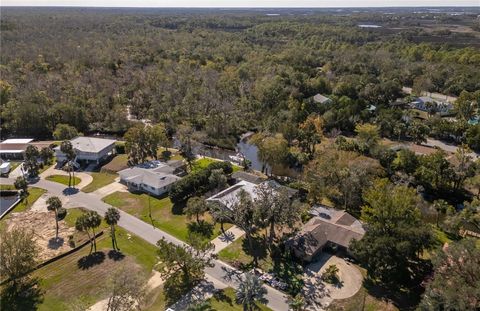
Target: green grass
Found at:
x=63, y=179
x=64, y=281
x=164, y=215
x=238, y=252
x=7, y=187
x=225, y=301
x=204, y=162
x=99, y=180
x=118, y=163
x=72, y=215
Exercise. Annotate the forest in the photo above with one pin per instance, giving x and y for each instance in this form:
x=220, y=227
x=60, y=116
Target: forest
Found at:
x=223, y=73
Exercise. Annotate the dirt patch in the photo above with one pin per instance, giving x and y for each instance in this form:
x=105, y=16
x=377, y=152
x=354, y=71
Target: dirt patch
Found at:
x=43, y=226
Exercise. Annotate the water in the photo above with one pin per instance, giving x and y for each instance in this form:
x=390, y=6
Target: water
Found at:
x=369, y=26
x=249, y=151
x=7, y=198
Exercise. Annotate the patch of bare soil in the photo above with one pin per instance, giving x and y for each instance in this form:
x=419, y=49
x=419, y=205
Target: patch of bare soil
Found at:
x=43, y=226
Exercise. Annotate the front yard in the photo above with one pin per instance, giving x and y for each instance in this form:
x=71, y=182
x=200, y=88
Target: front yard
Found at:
x=63, y=179
x=99, y=180
x=164, y=216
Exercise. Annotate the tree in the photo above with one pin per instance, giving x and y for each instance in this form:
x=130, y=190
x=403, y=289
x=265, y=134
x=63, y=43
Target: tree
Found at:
x=405, y=161
x=67, y=149
x=395, y=235
x=455, y=279
x=272, y=150
x=243, y=216
x=182, y=266
x=31, y=160
x=136, y=144
x=469, y=216
x=463, y=166
x=435, y=172
x=127, y=289
x=368, y=135
x=64, y=132
x=200, y=306
x=54, y=205
x=112, y=216
x=418, y=132
x=310, y=134
x=46, y=153
x=217, y=179
x=249, y=292
x=441, y=206
x=297, y=303
x=331, y=274
x=19, y=255
x=86, y=222
x=185, y=135
x=273, y=207
x=196, y=206
x=220, y=214
x=22, y=185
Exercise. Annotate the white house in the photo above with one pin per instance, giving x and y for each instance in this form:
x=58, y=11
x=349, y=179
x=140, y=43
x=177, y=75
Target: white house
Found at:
x=88, y=149
x=156, y=181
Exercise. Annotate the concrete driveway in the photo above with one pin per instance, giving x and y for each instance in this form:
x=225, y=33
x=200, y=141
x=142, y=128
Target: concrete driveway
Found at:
x=351, y=278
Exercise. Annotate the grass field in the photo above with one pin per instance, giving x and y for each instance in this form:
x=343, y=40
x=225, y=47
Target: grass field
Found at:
x=63, y=179
x=204, y=162
x=225, y=301
x=65, y=280
x=238, y=252
x=163, y=213
x=99, y=180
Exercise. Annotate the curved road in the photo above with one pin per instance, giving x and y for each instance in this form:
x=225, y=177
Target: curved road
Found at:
x=276, y=299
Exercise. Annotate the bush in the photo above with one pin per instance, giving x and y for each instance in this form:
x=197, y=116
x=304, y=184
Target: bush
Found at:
x=331, y=275
x=120, y=147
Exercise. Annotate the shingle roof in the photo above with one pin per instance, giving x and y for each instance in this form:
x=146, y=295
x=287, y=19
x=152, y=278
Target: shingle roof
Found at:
x=247, y=177
x=319, y=98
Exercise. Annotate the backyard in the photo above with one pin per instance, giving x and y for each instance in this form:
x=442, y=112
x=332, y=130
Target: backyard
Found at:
x=165, y=215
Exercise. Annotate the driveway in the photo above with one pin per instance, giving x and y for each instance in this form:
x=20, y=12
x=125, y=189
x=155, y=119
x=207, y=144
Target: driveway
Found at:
x=85, y=178
x=351, y=278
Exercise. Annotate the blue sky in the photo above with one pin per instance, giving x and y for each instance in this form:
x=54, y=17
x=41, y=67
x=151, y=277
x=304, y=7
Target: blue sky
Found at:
x=240, y=3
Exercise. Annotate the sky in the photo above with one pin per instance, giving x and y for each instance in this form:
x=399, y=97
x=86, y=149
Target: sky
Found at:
x=240, y=3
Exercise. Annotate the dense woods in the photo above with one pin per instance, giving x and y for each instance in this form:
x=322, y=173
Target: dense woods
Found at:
x=223, y=73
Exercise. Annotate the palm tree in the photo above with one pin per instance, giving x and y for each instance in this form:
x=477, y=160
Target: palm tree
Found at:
x=441, y=206
x=220, y=215
x=67, y=148
x=54, y=204
x=296, y=303
x=22, y=185
x=93, y=221
x=203, y=306
x=249, y=292
x=112, y=216
x=81, y=224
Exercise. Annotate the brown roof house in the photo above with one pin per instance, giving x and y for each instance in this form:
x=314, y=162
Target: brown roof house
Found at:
x=327, y=227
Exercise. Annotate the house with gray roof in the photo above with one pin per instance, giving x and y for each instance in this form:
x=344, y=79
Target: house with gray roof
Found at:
x=328, y=227
x=431, y=105
x=88, y=149
x=321, y=99
x=156, y=181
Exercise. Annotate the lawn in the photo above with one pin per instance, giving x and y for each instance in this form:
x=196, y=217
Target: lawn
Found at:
x=63, y=179
x=238, y=253
x=99, y=180
x=164, y=215
x=64, y=281
x=118, y=163
x=204, y=162
x=225, y=301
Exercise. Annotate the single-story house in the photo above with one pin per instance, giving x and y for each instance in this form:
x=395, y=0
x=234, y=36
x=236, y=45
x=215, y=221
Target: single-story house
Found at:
x=241, y=175
x=155, y=181
x=328, y=227
x=321, y=99
x=88, y=149
x=14, y=148
x=427, y=104
x=229, y=196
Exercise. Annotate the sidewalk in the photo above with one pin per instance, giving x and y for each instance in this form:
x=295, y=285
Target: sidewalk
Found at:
x=111, y=188
x=223, y=240
x=85, y=178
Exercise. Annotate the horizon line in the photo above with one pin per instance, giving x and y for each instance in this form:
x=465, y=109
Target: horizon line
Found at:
x=239, y=7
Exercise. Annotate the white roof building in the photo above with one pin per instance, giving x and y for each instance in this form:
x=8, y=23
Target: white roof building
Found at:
x=156, y=181
x=88, y=149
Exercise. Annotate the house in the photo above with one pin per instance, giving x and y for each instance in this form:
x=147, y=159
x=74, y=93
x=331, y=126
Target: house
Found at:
x=329, y=227
x=14, y=149
x=321, y=99
x=428, y=104
x=241, y=175
x=156, y=181
x=88, y=149
x=229, y=196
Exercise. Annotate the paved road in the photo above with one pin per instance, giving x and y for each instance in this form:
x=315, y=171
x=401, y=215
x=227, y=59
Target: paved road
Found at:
x=276, y=299
x=447, y=147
